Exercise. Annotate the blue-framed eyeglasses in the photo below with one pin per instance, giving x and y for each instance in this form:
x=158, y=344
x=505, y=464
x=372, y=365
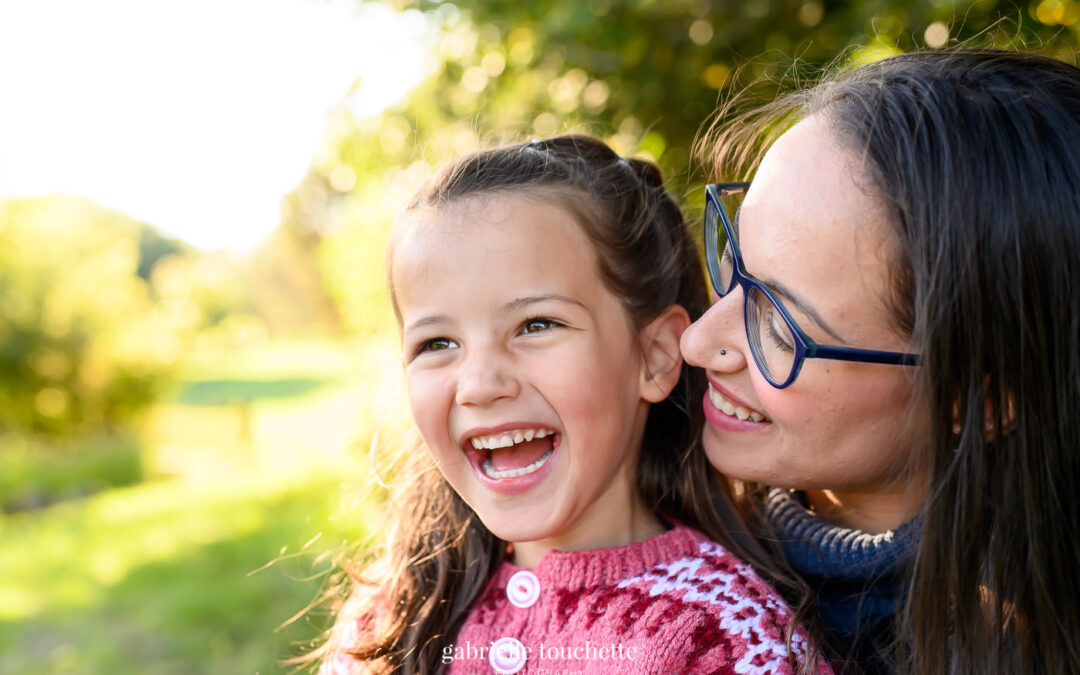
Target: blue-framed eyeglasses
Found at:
x=778, y=344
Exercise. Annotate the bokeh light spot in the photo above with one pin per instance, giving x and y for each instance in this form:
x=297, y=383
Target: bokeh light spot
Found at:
x=716, y=75
x=811, y=13
x=701, y=31
x=936, y=35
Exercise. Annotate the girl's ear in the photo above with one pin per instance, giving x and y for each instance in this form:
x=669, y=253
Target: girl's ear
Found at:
x=661, y=361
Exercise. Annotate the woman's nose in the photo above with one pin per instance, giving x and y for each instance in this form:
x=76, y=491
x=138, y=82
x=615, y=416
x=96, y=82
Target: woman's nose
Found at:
x=485, y=377
x=717, y=340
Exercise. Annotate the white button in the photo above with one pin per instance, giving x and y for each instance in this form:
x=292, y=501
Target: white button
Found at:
x=523, y=589
x=507, y=656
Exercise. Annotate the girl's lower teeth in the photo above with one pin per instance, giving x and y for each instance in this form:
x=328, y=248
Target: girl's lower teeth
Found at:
x=492, y=472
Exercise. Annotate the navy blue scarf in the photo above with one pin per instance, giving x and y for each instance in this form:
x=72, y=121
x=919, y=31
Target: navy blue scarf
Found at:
x=859, y=579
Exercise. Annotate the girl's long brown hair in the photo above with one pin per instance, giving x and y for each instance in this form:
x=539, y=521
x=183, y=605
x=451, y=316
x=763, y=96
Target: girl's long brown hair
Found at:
x=442, y=556
x=976, y=154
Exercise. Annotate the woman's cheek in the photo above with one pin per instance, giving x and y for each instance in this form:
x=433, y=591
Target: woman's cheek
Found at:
x=798, y=410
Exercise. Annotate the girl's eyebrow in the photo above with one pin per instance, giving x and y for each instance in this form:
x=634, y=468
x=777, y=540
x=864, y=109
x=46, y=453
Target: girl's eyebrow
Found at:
x=519, y=303
x=513, y=305
x=430, y=320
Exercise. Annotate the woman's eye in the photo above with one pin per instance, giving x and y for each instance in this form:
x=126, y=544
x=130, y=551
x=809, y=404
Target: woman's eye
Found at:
x=533, y=326
x=778, y=332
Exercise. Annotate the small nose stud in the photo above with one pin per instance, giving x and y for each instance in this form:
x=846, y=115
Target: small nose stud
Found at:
x=723, y=352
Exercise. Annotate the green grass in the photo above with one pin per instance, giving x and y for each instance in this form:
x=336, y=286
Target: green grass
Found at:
x=225, y=392
x=257, y=470
x=170, y=578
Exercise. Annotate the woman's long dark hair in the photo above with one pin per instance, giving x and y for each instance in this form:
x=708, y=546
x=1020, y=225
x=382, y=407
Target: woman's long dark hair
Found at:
x=443, y=556
x=976, y=154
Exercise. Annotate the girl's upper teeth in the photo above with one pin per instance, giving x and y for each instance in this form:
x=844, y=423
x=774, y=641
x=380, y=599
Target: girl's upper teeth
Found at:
x=731, y=409
x=505, y=439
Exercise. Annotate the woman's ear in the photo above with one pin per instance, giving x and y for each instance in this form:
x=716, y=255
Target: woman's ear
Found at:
x=661, y=360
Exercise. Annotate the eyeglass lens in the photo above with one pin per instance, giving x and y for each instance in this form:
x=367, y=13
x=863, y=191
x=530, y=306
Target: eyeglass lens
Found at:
x=770, y=337
x=721, y=267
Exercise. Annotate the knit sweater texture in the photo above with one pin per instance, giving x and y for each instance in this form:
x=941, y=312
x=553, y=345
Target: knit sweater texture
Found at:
x=859, y=579
x=675, y=603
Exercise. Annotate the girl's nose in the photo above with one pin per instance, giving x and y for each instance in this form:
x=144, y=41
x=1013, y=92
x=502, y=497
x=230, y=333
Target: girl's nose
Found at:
x=717, y=340
x=485, y=378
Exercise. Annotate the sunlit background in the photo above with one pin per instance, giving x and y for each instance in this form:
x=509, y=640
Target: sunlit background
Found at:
x=194, y=116
x=197, y=358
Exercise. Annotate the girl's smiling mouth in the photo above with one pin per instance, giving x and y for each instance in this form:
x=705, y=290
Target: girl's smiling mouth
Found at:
x=512, y=458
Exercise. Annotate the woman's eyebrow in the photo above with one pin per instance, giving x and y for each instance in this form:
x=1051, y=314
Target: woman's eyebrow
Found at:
x=519, y=303
x=790, y=295
x=803, y=307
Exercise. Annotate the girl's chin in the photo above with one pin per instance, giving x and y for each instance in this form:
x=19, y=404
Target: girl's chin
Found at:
x=518, y=523
x=519, y=530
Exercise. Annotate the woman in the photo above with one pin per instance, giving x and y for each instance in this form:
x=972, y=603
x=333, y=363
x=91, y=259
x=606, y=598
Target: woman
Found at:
x=895, y=352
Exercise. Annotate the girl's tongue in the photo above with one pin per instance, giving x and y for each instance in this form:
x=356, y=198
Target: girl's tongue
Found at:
x=521, y=455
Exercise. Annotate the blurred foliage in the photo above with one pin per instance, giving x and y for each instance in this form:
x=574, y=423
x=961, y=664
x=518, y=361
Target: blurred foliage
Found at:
x=97, y=311
x=38, y=472
x=287, y=289
x=201, y=574
x=645, y=75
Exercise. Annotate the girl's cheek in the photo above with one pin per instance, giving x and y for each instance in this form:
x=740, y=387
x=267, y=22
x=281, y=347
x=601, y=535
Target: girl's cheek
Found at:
x=419, y=393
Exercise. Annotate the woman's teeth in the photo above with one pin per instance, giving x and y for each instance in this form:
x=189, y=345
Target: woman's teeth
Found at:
x=492, y=472
x=508, y=438
x=729, y=408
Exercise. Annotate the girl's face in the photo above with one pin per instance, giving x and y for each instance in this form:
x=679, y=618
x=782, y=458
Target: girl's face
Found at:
x=812, y=230
x=523, y=371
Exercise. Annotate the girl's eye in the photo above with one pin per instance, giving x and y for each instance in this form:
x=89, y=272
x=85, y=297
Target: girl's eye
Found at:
x=539, y=325
x=435, y=345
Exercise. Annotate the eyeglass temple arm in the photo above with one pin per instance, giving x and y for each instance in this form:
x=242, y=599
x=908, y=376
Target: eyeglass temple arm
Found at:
x=862, y=355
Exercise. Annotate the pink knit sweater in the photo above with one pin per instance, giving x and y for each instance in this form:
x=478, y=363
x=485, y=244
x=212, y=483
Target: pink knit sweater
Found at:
x=675, y=603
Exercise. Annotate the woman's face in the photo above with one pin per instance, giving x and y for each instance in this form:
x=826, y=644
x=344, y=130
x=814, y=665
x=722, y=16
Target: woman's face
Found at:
x=812, y=229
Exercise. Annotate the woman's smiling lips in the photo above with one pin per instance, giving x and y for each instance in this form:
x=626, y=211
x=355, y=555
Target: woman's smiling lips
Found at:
x=479, y=442
x=725, y=411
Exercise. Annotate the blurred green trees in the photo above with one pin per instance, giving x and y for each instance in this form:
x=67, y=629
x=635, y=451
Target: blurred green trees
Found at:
x=97, y=310
x=80, y=345
x=642, y=74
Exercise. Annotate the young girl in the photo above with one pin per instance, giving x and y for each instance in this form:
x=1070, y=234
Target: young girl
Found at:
x=541, y=291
